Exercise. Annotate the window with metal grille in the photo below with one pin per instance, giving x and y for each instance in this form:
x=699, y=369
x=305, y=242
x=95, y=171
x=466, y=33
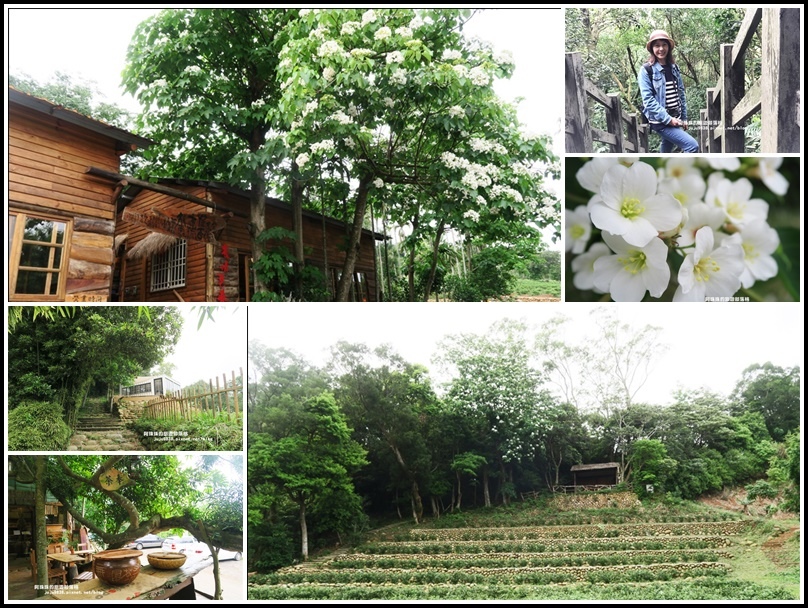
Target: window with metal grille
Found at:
x=168, y=268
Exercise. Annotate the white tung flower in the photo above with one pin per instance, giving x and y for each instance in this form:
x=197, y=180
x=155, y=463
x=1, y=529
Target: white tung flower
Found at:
x=632, y=270
x=378, y=182
x=699, y=216
x=583, y=267
x=368, y=17
x=349, y=27
x=710, y=271
x=388, y=101
x=456, y=111
x=769, y=174
x=759, y=242
x=395, y=57
x=630, y=207
x=399, y=77
x=451, y=55
x=302, y=159
x=382, y=33
x=329, y=47
x=734, y=199
x=472, y=215
x=590, y=175
x=578, y=229
x=404, y=32
x=479, y=76
x=329, y=73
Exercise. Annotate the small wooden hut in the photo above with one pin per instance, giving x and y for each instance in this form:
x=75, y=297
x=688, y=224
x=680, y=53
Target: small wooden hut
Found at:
x=61, y=219
x=189, y=240
x=595, y=476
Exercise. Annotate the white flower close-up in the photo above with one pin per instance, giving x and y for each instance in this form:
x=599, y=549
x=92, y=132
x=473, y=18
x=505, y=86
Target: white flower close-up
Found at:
x=583, y=267
x=578, y=229
x=632, y=270
x=711, y=271
x=735, y=198
x=629, y=205
x=759, y=242
x=771, y=177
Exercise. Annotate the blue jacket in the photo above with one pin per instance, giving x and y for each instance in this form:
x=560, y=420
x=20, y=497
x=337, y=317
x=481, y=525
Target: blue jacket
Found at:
x=653, y=93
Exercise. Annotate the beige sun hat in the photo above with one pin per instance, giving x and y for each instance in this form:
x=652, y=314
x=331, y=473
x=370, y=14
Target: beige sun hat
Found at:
x=659, y=35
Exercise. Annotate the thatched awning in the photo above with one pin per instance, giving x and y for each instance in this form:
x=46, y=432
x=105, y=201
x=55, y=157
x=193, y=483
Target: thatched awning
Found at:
x=154, y=244
x=592, y=467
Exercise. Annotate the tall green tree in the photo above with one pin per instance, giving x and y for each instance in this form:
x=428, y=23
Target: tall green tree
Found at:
x=772, y=391
x=206, y=79
x=311, y=459
x=495, y=385
x=387, y=400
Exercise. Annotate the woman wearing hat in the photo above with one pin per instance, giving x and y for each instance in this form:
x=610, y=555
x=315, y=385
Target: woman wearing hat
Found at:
x=663, y=95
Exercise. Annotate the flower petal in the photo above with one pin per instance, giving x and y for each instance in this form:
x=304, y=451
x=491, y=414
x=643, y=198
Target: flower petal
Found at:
x=627, y=287
x=611, y=188
x=640, y=232
x=663, y=211
x=606, y=268
x=640, y=181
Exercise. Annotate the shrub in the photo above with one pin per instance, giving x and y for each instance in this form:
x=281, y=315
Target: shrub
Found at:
x=37, y=425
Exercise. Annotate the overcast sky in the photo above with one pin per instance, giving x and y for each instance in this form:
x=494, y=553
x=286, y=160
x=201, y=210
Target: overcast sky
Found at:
x=217, y=347
x=708, y=345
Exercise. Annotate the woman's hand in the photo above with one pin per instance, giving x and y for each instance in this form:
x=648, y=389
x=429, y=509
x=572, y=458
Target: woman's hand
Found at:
x=675, y=122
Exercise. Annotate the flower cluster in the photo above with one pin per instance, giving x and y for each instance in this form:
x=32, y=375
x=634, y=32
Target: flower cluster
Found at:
x=695, y=220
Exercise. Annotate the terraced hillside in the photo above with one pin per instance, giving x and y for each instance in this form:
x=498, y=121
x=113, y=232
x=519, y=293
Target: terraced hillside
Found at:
x=588, y=554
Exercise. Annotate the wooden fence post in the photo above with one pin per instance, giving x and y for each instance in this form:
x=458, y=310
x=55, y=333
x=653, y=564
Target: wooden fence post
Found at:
x=614, y=121
x=576, y=117
x=780, y=81
x=713, y=120
x=634, y=132
x=732, y=87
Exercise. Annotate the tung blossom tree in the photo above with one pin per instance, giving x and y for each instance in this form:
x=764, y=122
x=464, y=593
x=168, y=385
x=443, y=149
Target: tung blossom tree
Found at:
x=399, y=97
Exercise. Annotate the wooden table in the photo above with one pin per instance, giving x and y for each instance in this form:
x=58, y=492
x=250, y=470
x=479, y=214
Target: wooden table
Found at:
x=150, y=584
x=66, y=558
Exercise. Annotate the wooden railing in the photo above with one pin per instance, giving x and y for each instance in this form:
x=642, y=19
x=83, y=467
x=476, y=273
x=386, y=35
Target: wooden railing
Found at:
x=583, y=488
x=776, y=94
x=624, y=132
x=218, y=401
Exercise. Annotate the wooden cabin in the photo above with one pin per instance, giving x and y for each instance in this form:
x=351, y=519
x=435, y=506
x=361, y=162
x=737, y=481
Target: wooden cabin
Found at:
x=595, y=476
x=188, y=241
x=150, y=385
x=61, y=220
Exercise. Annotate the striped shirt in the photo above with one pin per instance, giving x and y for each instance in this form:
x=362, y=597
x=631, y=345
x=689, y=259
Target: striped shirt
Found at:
x=671, y=92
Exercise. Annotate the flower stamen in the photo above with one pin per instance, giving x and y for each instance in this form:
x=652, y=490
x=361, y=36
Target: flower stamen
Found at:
x=631, y=208
x=633, y=263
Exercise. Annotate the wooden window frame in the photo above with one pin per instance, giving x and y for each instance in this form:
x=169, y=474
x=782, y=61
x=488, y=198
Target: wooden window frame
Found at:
x=16, y=241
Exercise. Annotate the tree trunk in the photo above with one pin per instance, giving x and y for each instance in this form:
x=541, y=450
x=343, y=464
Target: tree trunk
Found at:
x=304, y=532
x=503, y=481
x=486, y=492
x=40, y=531
x=411, y=261
x=297, y=226
x=352, y=253
x=433, y=266
x=258, y=214
x=459, y=490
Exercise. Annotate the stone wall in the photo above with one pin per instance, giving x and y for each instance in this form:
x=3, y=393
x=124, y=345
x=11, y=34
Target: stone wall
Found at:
x=130, y=408
x=590, y=500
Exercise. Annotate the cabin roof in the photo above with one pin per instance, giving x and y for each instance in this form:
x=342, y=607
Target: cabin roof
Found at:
x=123, y=138
x=592, y=467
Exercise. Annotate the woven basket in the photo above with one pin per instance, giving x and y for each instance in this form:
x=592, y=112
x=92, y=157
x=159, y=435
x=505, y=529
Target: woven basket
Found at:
x=166, y=560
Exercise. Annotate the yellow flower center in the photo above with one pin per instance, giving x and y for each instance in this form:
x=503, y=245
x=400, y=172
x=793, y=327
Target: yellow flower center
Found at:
x=736, y=209
x=705, y=268
x=634, y=262
x=750, y=252
x=631, y=208
x=682, y=197
x=578, y=231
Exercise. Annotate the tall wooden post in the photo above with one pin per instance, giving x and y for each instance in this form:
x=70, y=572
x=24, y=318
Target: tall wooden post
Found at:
x=732, y=88
x=576, y=118
x=780, y=81
x=614, y=122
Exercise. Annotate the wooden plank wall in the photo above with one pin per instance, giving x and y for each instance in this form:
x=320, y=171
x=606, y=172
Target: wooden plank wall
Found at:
x=46, y=163
x=138, y=272
x=205, y=263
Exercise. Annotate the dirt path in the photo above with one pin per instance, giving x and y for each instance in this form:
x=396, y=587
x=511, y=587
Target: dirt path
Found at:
x=773, y=548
